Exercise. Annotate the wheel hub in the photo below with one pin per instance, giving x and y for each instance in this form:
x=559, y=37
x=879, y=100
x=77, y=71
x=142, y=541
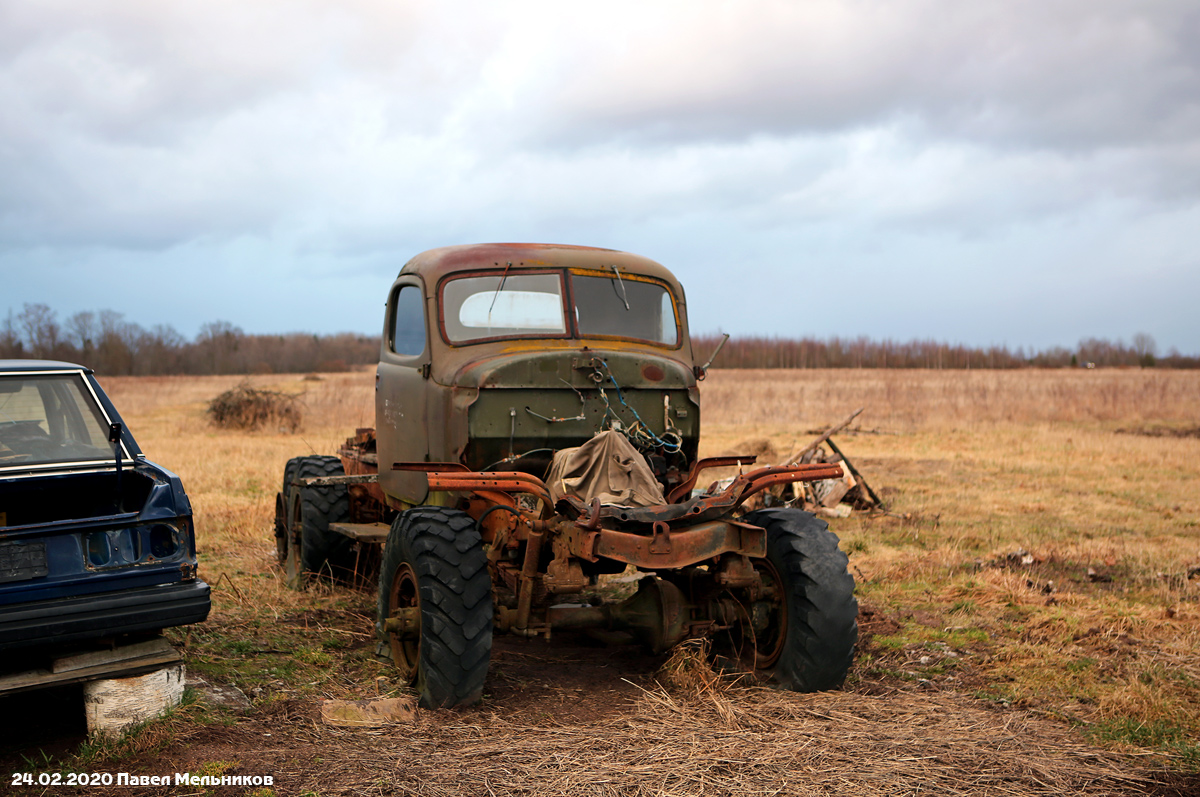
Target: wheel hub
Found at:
x=404, y=621
x=768, y=621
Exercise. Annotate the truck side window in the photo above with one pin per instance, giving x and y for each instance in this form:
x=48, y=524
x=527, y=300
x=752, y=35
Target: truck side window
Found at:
x=408, y=321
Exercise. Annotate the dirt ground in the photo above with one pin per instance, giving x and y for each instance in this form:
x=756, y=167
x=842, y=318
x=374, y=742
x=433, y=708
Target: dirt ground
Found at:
x=575, y=717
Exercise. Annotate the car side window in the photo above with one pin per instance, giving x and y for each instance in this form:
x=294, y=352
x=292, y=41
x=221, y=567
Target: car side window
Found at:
x=408, y=321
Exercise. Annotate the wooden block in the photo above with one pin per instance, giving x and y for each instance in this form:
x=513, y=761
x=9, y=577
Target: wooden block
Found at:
x=112, y=705
x=368, y=713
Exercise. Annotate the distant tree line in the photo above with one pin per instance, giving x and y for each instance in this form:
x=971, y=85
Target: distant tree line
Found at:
x=108, y=343
x=765, y=352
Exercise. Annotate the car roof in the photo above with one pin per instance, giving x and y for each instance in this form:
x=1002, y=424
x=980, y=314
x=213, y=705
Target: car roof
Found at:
x=41, y=365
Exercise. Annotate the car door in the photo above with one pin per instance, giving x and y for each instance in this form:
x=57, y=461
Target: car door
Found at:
x=402, y=391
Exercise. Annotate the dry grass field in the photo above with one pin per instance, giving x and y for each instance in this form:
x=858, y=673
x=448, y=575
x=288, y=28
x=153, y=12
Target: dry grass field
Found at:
x=1030, y=610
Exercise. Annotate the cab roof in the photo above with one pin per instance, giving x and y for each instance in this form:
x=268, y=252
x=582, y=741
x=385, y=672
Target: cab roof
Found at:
x=437, y=263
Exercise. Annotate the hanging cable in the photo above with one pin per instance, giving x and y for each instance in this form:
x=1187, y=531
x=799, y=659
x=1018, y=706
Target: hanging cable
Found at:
x=640, y=430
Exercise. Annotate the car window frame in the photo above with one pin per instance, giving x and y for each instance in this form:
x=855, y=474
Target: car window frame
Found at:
x=24, y=469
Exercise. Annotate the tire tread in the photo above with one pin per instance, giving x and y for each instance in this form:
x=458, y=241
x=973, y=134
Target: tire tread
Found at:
x=444, y=549
x=822, y=611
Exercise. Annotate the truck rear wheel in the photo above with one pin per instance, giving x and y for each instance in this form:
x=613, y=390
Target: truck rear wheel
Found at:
x=434, y=574
x=308, y=546
x=283, y=503
x=808, y=641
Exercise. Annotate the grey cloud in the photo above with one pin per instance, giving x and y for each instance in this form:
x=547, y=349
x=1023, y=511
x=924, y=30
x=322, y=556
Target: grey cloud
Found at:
x=1088, y=73
x=288, y=141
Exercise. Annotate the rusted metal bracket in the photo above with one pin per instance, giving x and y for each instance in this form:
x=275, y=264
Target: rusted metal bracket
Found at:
x=660, y=539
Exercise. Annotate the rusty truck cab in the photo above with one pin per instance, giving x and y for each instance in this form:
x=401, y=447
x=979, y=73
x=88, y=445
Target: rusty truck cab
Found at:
x=496, y=355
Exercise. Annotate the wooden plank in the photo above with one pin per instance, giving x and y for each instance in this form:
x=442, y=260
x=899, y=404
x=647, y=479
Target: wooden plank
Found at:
x=37, y=679
x=324, y=481
x=374, y=533
x=96, y=658
x=368, y=713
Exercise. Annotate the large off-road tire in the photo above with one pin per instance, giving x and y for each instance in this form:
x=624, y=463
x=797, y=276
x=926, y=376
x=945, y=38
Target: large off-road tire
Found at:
x=433, y=561
x=283, y=501
x=808, y=644
x=308, y=546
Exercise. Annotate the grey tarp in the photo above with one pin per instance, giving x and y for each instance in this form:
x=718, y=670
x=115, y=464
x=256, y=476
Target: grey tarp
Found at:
x=607, y=467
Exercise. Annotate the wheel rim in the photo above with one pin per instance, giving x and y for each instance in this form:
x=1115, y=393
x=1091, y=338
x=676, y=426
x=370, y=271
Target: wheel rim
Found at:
x=769, y=643
x=405, y=594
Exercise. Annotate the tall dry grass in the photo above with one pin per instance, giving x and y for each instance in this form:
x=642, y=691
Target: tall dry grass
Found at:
x=975, y=466
x=905, y=400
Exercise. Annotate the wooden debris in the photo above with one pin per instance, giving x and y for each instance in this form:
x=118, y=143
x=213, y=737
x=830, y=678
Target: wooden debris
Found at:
x=811, y=447
x=858, y=476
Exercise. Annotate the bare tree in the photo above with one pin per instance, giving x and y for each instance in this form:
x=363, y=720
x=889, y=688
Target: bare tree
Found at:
x=1145, y=346
x=10, y=338
x=42, y=332
x=83, y=332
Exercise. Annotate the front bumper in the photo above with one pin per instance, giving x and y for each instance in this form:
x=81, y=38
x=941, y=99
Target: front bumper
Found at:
x=107, y=614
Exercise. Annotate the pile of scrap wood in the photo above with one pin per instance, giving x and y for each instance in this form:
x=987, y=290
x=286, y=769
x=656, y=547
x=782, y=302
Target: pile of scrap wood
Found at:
x=829, y=497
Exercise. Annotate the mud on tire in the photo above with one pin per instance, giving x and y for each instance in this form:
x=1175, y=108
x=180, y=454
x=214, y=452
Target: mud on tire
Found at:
x=311, y=509
x=817, y=626
x=434, y=561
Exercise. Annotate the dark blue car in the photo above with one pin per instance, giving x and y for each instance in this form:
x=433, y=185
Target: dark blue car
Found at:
x=95, y=540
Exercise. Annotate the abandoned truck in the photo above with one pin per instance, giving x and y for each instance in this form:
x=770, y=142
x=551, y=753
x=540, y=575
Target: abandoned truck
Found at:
x=537, y=424
x=96, y=541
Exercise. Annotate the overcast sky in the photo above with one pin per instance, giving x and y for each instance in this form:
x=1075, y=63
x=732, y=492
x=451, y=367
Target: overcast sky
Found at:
x=1020, y=172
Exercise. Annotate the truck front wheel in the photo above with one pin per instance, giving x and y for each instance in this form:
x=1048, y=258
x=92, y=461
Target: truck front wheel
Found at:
x=435, y=605
x=811, y=626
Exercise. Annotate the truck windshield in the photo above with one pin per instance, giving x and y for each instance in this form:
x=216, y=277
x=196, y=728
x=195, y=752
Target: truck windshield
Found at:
x=622, y=306
x=503, y=306
x=516, y=304
x=49, y=418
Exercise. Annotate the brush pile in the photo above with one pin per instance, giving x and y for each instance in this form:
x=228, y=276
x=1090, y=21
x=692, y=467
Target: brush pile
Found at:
x=248, y=409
